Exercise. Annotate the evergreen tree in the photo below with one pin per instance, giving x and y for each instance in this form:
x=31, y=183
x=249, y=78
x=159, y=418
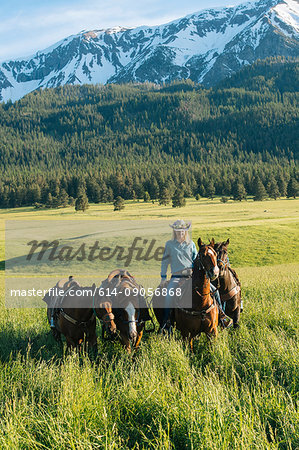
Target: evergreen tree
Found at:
x=93, y=191
x=272, y=188
x=259, y=189
x=282, y=185
x=146, y=197
x=63, y=198
x=165, y=197
x=33, y=194
x=153, y=189
x=81, y=203
x=49, y=202
x=210, y=189
x=178, y=200
x=293, y=188
x=202, y=190
x=119, y=203
x=238, y=190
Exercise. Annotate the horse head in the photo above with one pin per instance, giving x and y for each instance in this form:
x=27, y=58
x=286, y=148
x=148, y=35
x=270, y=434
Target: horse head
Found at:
x=207, y=259
x=103, y=310
x=222, y=256
x=127, y=316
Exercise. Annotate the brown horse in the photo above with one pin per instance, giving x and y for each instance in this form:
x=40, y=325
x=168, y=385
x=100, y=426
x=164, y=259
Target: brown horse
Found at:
x=129, y=307
x=76, y=323
x=230, y=286
x=202, y=317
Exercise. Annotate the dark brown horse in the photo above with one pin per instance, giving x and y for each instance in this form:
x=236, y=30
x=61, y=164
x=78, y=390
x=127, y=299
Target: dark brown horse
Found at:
x=230, y=286
x=129, y=307
x=77, y=323
x=202, y=317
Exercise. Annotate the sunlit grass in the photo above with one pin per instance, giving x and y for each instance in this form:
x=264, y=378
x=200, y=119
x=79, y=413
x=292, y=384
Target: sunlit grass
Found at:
x=239, y=393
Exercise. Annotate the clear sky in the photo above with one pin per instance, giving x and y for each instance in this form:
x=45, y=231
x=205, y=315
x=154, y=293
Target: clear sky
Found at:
x=30, y=25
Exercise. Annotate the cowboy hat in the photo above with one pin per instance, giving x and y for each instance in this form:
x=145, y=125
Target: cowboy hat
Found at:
x=179, y=225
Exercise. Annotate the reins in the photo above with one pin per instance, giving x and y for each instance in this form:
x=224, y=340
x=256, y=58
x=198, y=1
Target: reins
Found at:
x=108, y=314
x=202, y=312
x=209, y=308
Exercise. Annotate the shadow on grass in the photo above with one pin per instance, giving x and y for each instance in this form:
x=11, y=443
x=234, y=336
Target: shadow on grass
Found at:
x=40, y=346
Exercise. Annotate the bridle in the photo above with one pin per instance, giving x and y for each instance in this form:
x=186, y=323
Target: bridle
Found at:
x=119, y=316
x=223, y=264
x=201, y=264
x=110, y=316
x=106, y=318
x=203, y=312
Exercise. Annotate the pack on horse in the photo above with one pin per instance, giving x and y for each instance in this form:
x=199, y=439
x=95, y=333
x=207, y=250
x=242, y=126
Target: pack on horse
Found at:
x=78, y=324
x=202, y=317
x=229, y=284
x=129, y=307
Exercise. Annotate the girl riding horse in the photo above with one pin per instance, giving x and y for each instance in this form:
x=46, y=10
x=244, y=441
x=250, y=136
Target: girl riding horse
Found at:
x=180, y=253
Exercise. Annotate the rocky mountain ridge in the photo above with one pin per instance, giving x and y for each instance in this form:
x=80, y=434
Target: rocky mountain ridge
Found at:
x=206, y=47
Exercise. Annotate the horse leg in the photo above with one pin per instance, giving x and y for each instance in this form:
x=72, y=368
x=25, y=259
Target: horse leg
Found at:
x=93, y=346
x=233, y=310
x=236, y=317
x=67, y=350
x=212, y=333
x=125, y=341
x=91, y=341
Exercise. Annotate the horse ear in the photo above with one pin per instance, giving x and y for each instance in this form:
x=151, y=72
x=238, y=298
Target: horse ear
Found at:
x=199, y=242
x=227, y=242
x=212, y=242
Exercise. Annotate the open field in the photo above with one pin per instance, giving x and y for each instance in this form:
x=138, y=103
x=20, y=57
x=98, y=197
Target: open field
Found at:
x=240, y=394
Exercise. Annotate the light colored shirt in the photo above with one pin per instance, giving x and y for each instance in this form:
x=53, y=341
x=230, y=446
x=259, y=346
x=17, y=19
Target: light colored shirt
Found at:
x=178, y=255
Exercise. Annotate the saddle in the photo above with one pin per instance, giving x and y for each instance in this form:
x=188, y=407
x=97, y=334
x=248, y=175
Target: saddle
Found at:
x=120, y=279
x=235, y=290
x=55, y=302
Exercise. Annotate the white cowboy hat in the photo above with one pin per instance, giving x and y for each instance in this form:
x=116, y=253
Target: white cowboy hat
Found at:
x=179, y=225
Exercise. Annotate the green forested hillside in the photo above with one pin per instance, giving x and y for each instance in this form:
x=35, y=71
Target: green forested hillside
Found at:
x=130, y=139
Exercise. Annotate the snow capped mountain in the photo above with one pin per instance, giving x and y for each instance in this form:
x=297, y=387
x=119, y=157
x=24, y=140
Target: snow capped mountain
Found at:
x=206, y=46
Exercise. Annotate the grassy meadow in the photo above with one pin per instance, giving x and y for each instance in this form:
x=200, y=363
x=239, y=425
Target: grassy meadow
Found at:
x=241, y=393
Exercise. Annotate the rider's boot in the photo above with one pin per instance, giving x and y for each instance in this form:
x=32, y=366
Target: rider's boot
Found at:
x=225, y=321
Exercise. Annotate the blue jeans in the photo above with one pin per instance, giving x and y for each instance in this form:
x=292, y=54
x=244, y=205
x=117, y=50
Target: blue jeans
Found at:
x=169, y=299
x=217, y=296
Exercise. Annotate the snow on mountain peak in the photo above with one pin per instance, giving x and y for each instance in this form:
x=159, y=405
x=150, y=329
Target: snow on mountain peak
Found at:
x=288, y=12
x=206, y=46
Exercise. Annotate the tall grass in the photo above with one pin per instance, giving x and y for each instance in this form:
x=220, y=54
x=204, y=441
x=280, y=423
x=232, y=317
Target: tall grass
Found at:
x=239, y=393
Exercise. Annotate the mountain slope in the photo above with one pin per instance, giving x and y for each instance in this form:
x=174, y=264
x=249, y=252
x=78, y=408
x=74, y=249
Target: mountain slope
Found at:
x=207, y=47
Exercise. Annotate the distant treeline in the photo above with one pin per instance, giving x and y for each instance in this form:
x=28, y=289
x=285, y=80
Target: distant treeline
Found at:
x=148, y=141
